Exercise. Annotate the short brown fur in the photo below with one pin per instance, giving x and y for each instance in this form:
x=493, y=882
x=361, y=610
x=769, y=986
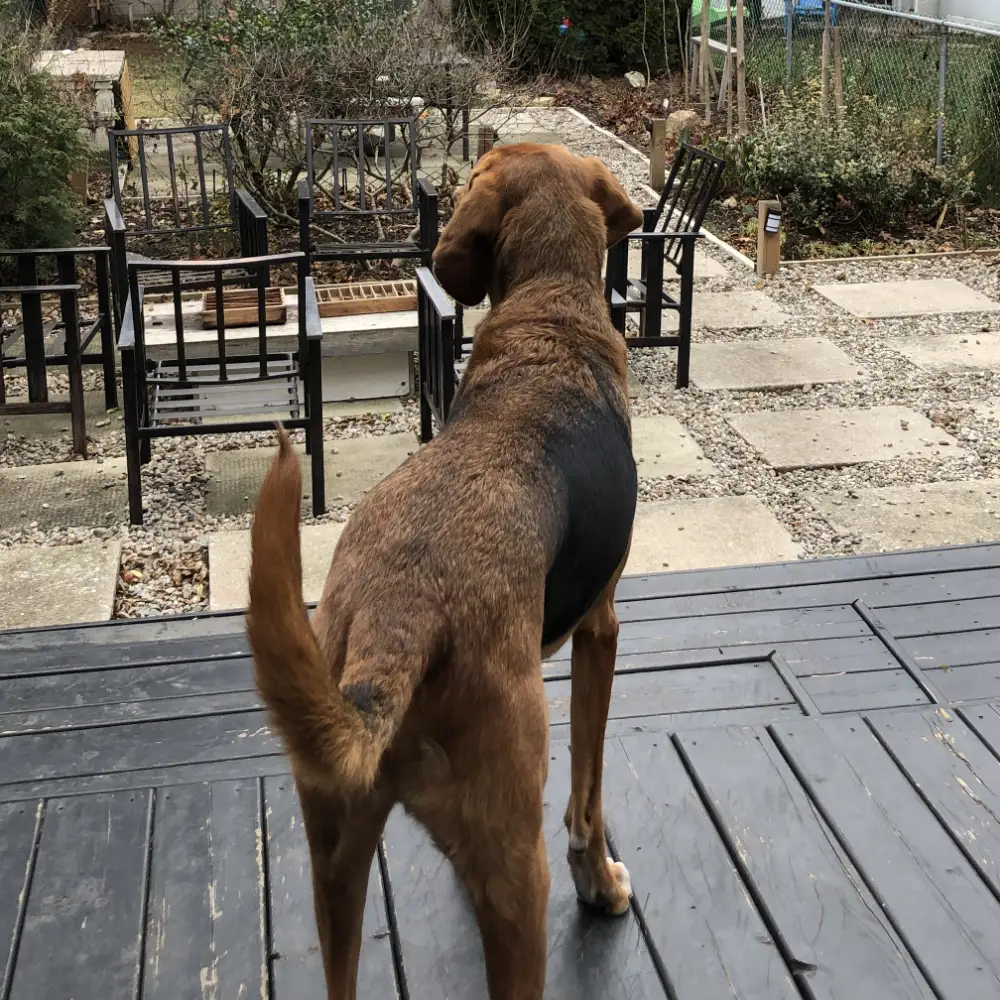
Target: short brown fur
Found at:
x=419, y=679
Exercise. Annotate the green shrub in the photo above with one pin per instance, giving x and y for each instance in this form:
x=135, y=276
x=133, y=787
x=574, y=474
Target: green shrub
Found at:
x=869, y=167
x=40, y=143
x=600, y=37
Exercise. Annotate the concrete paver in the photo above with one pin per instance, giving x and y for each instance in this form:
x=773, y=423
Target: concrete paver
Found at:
x=817, y=439
x=53, y=426
x=229, y=564
x=948, y=352
x=662, y=447
x=352, y=466
x=766, y=364
x=700, y=534
x=746, y=309
x=58, y=585
x=912, y=517
x=926, y=297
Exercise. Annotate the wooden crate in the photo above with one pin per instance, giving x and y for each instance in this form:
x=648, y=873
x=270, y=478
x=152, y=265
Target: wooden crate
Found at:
x=366, y=297
x=239, y=307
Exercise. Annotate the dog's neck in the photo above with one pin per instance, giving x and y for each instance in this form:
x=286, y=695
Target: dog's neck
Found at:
x=541, y=242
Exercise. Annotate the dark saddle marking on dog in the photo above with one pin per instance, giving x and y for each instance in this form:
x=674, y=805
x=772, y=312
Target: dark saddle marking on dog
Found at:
x=589, y=450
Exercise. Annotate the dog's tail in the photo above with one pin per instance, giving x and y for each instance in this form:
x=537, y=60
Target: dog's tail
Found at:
x=336, y=734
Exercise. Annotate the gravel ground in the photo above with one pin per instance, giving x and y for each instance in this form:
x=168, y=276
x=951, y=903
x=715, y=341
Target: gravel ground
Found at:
x=164, y=564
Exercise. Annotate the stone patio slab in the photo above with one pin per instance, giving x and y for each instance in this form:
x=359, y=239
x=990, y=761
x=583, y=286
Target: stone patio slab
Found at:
x=346, y=409
x=924, y=297
x=704, y=266
x=59, y=585
x=978, y=352
x=64, y=494
x=912, y=517
x=53, y=426
x=229, y=564
x=366, y=376
x=768, y=364
x=235, y=477
x=663, y=447
x=817, y=439
x=746, y=309
x=700, y=534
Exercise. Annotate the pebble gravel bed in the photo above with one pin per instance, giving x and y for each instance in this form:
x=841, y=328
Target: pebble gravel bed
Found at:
x=165, y=563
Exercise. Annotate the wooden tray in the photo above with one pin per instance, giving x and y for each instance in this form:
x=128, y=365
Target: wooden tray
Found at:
x=367, y=297
x=239, y=307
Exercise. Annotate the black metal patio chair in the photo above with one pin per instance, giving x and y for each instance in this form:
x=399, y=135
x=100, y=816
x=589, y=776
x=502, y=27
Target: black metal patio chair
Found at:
x=439, y=349
x=350, y=186
x=240, y=378
x=36, y=343
x=668, y=236
x=183, y=197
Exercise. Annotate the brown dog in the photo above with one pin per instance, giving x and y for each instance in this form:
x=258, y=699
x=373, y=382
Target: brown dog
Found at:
x=419, y=679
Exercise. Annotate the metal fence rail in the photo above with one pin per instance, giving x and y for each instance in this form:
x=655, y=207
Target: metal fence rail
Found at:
x=939, y=72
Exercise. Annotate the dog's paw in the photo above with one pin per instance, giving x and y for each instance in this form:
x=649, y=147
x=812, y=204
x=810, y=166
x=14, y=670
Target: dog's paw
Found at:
x=608, y=889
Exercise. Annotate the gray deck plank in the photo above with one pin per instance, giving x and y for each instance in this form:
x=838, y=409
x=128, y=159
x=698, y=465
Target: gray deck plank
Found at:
x=206, y=931
x=959, y=649
x=81, y=752
x=710, y=937
x=84, y=919
x=859, y=692
x=937, y=901
x=590, y=956
x=830, y=925
x=20, y=825
x=297, y=964
x=948, y=616
x=957, y=784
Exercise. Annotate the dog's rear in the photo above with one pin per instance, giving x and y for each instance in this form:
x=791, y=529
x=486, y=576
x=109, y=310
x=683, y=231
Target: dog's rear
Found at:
x=335, y=728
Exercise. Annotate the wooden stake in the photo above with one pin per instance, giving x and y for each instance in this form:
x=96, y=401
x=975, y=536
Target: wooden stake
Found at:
x=658, y=155
x=741, y=70
x=768, y=244
x=838, y=71
x=729, y=69
x=706, y=58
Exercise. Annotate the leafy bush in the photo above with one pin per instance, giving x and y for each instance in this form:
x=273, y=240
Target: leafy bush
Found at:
x=268, y=65
x=869, y=167
x=593, y=35
x=40, y=142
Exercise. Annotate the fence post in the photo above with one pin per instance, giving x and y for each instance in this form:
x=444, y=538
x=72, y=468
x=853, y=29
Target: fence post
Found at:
x=789, y=61
x=942, y=93
x=741, y=70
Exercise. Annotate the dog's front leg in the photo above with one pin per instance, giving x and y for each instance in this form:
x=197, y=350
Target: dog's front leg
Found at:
x=600, y=881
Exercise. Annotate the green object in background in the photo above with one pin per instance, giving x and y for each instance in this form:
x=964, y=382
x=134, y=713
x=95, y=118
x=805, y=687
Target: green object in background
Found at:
x=716, y=11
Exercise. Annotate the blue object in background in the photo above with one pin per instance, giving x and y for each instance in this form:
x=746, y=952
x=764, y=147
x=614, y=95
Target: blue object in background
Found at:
x=809, y=8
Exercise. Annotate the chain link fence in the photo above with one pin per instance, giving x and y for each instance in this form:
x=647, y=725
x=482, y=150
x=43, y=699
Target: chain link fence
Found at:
x=941, y=73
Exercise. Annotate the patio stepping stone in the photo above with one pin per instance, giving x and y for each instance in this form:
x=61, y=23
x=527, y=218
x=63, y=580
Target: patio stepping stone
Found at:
x=353, y=466
x=64, y=494
x=229, y=564
x=663, y=447
x=745, y=309
x=101, y=423
x=925, y=297
x=705, y=267
x=704, y=533
x=768, y=364
x=818, y=439
x=948, y=352
x=911, y=517
x=57, y=585
x=362, y=407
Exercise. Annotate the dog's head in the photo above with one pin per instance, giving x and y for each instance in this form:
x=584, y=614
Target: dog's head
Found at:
x=552, y=208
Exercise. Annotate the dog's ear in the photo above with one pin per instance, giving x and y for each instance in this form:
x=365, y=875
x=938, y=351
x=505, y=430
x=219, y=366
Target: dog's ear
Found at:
x=463, y=259
x=621, y=214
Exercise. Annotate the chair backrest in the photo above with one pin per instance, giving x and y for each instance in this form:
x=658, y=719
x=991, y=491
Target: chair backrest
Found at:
x=256, y=275
x=437, y=332
x=693, y=181
x=183, y=174
x=351, y=169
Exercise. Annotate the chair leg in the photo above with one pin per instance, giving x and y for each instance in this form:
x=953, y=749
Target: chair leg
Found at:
x=314, y=435
x=426, y=418
x=684, y=331
x=133, y=451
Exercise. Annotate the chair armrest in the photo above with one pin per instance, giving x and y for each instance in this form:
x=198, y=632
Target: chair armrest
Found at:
x=314, y=325
x=304, y=194
x=127, y=335
x=52, y=251
x=650, y=216
x=250, y=203
x=426, y=189
x=661, y=237
x=433, y=290
x=114, y=216
x=36, y=289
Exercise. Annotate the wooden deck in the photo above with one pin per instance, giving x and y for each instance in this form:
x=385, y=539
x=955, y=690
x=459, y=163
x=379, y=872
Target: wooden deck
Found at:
x=803, y=777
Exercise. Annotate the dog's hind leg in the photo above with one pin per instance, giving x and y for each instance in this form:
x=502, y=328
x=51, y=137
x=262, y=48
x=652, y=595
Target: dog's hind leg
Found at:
x=599, y=880
x=342, y=844
x=485, y=813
